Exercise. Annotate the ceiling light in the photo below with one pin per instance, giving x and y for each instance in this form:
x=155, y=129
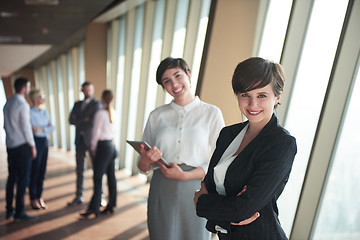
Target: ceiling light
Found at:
x=8, y=14
x=10, y=39
x=45, y=31
x=41, y=2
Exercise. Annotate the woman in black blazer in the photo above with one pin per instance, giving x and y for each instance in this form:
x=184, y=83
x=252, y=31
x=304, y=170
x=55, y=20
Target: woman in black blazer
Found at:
x=252, y=160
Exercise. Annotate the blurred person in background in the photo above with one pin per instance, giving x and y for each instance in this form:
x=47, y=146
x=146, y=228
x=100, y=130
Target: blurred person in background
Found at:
x=105, y=154
x=42, y=127
x=21, y=149
x=82, y=117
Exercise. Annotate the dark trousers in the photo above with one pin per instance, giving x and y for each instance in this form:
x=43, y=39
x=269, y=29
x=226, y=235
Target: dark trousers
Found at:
x=104, y=162
x=19, y=164
x=38, y=168
x=81, y=149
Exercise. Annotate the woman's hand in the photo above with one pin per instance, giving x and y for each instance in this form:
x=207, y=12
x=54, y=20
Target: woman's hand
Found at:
x=174, y=172
x=200, y=192
x=249, y=220
x=148, y=157
x=151, y=155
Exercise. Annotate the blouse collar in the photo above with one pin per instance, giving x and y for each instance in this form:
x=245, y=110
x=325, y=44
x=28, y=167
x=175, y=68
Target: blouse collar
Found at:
x=187, y=107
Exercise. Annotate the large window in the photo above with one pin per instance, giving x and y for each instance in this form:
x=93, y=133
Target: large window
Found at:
x=275, y=25
x=339, y=214
x=166, y=25
x=307, y=97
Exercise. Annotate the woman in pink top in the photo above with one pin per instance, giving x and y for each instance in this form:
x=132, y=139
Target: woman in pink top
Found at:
x=105, y=154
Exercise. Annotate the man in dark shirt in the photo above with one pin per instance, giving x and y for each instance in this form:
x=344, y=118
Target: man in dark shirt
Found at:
x=82, y=117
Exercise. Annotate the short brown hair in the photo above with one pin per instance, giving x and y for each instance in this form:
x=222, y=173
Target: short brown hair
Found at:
x=256, y=73
x=169, y=63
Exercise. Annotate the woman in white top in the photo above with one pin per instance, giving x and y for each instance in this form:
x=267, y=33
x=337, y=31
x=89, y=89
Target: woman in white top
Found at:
x=105, y=154
x=183, y=133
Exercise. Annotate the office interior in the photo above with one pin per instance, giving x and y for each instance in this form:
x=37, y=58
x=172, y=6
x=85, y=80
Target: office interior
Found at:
x=316, y=41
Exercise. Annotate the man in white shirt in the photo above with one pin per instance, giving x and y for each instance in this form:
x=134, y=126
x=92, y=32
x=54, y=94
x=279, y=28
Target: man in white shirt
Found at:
x=20, y=148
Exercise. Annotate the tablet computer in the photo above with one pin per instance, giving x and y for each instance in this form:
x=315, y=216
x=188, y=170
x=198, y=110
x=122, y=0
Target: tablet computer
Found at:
x=137, y=145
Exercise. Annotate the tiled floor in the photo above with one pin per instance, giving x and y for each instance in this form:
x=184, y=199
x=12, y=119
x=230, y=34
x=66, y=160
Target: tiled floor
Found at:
x=62, y=222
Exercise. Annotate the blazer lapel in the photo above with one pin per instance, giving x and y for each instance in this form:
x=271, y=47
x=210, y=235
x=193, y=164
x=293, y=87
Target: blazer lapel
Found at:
x=229, y=136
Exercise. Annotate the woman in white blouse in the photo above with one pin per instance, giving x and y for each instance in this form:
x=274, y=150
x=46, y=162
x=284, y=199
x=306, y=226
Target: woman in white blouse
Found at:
x=183, y=133
x=105, y=154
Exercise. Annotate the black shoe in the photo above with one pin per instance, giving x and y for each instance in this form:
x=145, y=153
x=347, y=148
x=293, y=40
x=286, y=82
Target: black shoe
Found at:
x=107, y=210
x=24, y=218
x=88, y=213
x=9, y=215
x=76, y=201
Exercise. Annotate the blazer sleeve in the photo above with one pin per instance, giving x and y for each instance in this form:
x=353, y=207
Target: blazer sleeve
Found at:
x=74, y=118
x=272, y=168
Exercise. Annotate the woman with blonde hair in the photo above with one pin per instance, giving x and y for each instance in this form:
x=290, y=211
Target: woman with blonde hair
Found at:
x=42, y=127
x=105, y=154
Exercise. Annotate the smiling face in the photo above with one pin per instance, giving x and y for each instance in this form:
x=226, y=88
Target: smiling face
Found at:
x=258, y=104
x=177, y=83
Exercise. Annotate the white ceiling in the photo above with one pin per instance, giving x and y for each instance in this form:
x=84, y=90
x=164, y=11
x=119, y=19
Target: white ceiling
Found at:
x=14, y=57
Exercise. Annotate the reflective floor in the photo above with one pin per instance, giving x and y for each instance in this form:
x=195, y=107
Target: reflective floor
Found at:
x=62, y=222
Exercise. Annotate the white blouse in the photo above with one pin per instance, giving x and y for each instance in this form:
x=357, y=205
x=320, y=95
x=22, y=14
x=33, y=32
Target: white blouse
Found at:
x=185, y=135
x=226, y=159
x=103, y=129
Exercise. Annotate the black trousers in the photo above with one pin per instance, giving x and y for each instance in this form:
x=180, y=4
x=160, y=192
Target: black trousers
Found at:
x=104, y=162
x=81, y=149
x=38, y=168
x=19, y=165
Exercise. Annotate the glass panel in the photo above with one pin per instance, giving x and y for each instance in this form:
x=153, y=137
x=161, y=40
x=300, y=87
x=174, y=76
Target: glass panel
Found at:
x=155, y=58
x=71, y=97
x=308, y=94
x=61, y=100
x=273, y=36
x=52, y=104
x=177, y=49
x=200, y=40
x=135, y=80
x=2, y=103
x=339, y=214
x=108, y=53
x=120, y=78
x=81, y=64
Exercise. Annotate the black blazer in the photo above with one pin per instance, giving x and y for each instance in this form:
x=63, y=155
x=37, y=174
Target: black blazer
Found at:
x=77, y=118
x=263, y=166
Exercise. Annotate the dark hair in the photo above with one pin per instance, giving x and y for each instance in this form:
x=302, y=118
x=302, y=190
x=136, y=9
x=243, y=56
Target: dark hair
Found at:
x=85, y=84
x=107, y=96
x=20, y=83
x=169, y=63
x=256, y=73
